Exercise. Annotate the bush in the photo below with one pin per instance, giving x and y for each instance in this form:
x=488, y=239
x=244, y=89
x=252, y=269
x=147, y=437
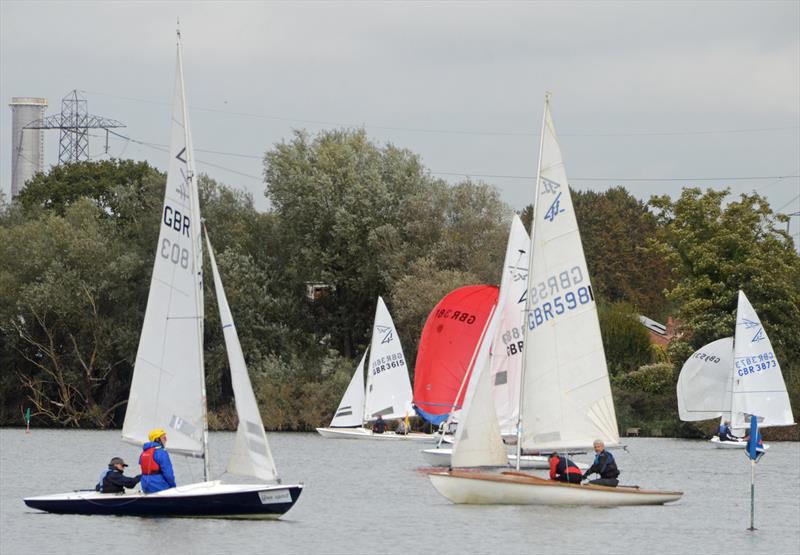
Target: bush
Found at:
x=625, y=339
x=654, y=379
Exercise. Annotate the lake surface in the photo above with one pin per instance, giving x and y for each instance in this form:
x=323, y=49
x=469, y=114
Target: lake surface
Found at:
x=371, y=497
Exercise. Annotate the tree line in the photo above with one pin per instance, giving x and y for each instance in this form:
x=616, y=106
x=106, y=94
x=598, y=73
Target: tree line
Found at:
x=363, y=220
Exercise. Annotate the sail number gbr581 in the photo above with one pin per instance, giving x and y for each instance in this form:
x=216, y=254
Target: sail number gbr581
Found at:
x=181, y=223
x=557, y=294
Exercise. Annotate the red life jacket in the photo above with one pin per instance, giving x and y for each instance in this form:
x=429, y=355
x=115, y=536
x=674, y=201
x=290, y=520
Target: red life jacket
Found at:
x=148, y=462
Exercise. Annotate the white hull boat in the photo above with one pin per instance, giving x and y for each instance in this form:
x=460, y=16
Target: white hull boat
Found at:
x=742, y=444
x=365, y=433
x=516, y=488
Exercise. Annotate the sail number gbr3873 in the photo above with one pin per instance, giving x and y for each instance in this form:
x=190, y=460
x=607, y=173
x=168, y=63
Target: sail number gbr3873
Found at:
x=558, y=294
x=173, y=251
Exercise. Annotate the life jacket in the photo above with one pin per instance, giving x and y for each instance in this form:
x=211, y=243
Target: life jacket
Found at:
x=99, y=486
x=148, y=462
x=609, y=468
x=566, y=466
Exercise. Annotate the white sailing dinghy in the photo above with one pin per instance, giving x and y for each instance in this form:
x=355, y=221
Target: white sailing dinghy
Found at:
x=731, y=378
x=388, y=390
x=168, y=386
x=565, y=394
x=505, y=355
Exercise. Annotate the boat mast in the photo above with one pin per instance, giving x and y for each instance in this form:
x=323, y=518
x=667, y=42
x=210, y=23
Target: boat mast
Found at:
x=191, y=178
x=528, y=286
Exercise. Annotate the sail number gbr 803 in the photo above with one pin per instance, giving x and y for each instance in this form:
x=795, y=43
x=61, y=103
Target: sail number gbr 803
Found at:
x=172, y=251
x=558, y=294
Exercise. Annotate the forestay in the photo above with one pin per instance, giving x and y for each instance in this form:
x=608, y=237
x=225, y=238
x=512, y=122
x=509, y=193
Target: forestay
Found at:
x=388, y=387
x=167, y=389
x=350, y=412
x=567, y=395
x=704, y=384
x=506, y=353
x=251, y=454
x=478, y=441
x=758, y=386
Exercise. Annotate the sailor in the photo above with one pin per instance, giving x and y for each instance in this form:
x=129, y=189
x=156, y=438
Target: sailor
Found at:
x=725, y=433
x=604, y=465
x=114, y=480
x=380, y=425
x=157, y=474
x=564, y=469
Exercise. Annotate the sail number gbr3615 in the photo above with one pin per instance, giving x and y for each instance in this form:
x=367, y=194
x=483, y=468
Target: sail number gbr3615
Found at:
x=181, y=223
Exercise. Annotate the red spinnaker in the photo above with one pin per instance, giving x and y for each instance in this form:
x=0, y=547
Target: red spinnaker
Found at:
x=446, y=349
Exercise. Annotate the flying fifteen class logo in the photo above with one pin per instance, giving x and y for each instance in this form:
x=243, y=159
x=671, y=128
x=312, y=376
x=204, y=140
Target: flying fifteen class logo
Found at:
x=749, y=325
x=181, y=189
x=387, y=334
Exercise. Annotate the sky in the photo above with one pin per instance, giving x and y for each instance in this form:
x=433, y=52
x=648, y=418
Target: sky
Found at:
x=652, y=96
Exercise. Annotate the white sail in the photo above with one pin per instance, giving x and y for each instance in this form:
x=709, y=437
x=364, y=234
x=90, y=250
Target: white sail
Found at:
x=350, y=412
x=388, y=387
x=567, y=395
x=167, y=389
x=758, y=386
x=506, y=353
x=704, y=384
x=478, y=441
x=251, y=454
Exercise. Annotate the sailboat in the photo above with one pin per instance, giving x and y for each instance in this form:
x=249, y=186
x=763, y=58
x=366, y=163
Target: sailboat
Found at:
x=734, y=377
x=168, y=386
x=565, y=393
x=387, y=393
x=505, y=354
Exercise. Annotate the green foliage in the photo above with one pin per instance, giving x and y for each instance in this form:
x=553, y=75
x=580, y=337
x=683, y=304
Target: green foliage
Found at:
x=655, y=379
x=625, y=339
x=615, y=228
x=716, y=250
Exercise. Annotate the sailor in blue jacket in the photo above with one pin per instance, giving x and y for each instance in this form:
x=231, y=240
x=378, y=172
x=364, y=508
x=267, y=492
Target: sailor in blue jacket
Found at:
x=157, y=474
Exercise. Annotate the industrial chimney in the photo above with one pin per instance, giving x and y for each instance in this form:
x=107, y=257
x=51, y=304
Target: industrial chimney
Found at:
x=27, y=146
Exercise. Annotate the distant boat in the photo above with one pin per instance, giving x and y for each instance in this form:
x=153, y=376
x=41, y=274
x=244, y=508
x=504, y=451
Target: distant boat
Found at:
x=565, y=399
x=388, y=390
x=733, y=377
x=168, y=386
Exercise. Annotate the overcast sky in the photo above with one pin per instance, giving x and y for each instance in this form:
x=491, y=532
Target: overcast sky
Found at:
x=644, y=93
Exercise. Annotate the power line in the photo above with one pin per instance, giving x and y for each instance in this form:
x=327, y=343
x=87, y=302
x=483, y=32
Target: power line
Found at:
x=458, y=131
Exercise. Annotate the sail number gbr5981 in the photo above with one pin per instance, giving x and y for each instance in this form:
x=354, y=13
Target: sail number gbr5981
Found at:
x=566, y=291
x=181, y=223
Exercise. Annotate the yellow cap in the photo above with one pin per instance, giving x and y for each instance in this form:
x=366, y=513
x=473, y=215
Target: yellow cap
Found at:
x=156, y=433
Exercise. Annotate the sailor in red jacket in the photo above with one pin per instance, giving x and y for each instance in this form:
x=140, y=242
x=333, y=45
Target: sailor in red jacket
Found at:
x=564, y=469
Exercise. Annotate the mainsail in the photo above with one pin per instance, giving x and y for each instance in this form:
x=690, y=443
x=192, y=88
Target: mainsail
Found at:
x=168, y=387
x=566, y=394
x=388, y=387
x=758, y=386
x=506, y=354
x=448, y=348
x=704, y=384
x=251, y=455
x=350, y=412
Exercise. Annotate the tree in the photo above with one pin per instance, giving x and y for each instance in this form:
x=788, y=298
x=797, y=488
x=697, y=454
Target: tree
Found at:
x=717, y=249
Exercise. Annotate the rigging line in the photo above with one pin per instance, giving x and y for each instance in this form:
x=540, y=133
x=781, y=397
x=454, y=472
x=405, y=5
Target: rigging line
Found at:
x=644, y=180
x=788, y=203
x=459, y=131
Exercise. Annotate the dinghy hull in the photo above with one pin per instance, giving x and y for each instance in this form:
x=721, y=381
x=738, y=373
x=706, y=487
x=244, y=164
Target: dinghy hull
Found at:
x=513, y=488
x=364, y=433
x=203, y=500
x=731, y=444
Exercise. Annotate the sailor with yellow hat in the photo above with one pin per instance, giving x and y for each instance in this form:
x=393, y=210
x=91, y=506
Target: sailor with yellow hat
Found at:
x=157, y=473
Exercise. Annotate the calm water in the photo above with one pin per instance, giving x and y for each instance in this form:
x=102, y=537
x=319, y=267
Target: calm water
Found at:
x=369, y=497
